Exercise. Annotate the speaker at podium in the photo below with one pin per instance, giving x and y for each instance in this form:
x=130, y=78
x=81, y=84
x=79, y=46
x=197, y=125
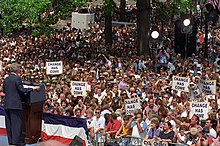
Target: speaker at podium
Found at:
x=34, y=96
x=33, y=108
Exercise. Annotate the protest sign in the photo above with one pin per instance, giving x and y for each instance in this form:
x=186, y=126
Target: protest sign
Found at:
x=209, y=97
x=195, y=93
x=180, y=83
x=131, y=104
x=54, y=68
x=208, y=86
x=155, y=143
x=200, y=109
x=78, y=88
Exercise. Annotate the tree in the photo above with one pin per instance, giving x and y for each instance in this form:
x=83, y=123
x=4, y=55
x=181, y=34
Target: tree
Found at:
x=122, y=10
x=108, y=6
x=143, y=26
x=17, y=12
x=164, y=12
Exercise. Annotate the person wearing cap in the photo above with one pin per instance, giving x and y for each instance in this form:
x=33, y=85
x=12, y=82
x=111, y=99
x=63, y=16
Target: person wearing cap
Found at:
x=105, y=110
x=14, y=90
x=192, y=137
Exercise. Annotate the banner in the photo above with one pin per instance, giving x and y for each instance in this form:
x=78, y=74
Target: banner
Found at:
x=78, y=88
x=131, y=104
x=63, y=128
x=200, y=109
x=180, y=83
x=155, y=143
x=55, y=127
x=207, y=97
x=208, y=86
x=54, y=68
x=195, y=93
x=2, y=122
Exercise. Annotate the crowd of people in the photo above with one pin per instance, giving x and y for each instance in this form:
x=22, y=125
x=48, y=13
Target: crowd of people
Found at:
x=116, y=73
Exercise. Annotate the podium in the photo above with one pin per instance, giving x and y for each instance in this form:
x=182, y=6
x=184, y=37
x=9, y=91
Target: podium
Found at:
x=33, y=109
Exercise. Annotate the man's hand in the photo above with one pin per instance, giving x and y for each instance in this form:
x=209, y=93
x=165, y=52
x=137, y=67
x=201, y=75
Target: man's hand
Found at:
x=36, y=88
x=139, y=120
x=117, y=137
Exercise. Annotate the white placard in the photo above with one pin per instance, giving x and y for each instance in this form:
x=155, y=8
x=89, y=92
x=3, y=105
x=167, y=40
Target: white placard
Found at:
x=131, y=104
x=209, y=97
x=180, y=83
x=78, y=88
x=208, y=86
x=195, y=93
x=155, y=143
x=54, y=68
x=200, y=109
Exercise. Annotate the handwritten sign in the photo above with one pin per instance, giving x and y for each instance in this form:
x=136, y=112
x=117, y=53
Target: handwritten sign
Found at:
x=131, y=104
x=155, y=143
x=195, y=93
x=208, y=86
x=78, y=88
x=200, y=109
x=54, y=68
x=180, y=83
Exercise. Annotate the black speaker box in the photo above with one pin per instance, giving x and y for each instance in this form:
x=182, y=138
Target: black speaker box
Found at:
x=77, y=141
x=111, y=144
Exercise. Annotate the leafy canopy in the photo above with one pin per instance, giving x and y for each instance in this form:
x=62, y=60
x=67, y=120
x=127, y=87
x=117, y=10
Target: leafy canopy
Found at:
x=17, y=12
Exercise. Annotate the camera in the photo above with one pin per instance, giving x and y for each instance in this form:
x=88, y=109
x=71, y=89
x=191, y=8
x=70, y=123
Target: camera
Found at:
x=136, y=117
x=205, y=131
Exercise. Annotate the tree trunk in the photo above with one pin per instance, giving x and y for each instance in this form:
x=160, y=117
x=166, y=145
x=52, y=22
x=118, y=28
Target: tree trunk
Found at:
x=122, y=10
x=108, y=29
x=143, y=27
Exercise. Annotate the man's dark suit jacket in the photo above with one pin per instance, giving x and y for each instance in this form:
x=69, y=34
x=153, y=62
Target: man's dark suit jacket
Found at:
x=13, y=90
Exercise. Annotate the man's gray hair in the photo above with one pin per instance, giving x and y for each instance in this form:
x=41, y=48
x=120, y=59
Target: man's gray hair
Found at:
x=14, y=67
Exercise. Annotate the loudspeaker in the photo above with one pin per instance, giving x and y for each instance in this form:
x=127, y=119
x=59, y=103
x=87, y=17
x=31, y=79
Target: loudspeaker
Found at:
x=111, y=144
x=77, y=141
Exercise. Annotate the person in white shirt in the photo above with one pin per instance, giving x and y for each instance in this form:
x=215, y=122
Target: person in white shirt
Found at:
x=100, y=95
x=139, y=128
x=98, y=125
x=212, y=132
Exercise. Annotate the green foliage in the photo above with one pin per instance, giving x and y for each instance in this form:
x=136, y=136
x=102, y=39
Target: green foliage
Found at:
x=17, y=12
x=64, y=8
x=109, y=6
x=166, y=11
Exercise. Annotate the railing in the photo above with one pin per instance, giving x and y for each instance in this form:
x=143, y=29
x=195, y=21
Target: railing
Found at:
x=130, y=141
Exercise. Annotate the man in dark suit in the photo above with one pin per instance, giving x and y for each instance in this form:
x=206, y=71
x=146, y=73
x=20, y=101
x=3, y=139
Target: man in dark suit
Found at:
x=13, y=90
